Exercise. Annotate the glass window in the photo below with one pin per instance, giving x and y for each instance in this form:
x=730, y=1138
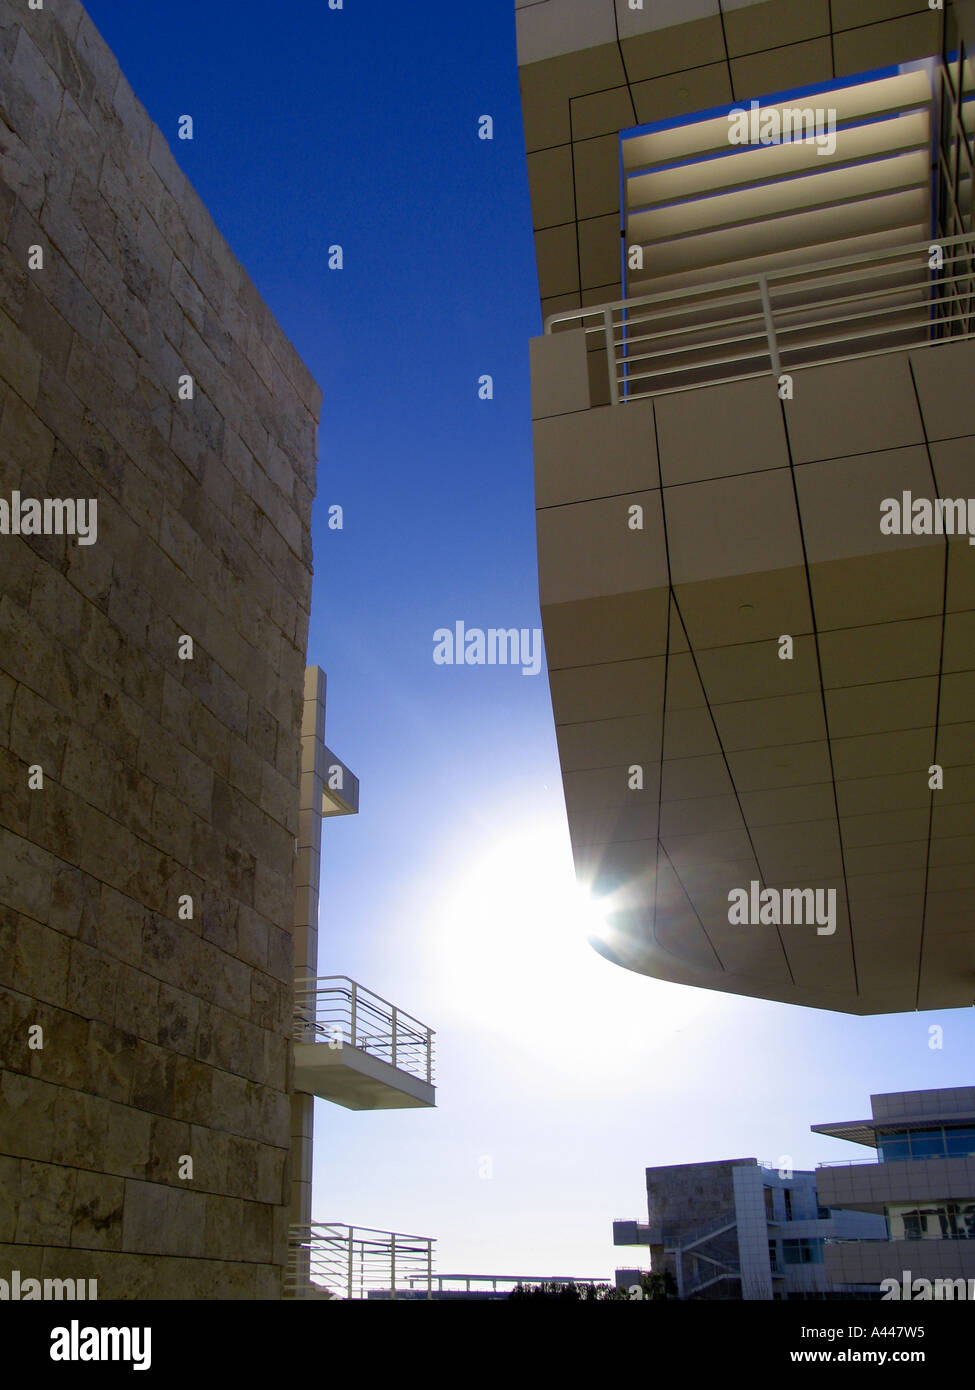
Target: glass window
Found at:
x=927, y=1143
x=924, y=1143
x=966, y=1220
x=960, y=1141
x=912, y=1225
x=894, y=1146
x=937, y=1221
x=823, y=1213
x=802, y=1252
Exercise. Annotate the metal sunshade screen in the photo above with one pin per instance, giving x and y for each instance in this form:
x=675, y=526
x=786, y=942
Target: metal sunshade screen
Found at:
x=701, y=208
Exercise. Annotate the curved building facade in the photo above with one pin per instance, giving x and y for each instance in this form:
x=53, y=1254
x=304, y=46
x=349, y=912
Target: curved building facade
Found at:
x=754, y=430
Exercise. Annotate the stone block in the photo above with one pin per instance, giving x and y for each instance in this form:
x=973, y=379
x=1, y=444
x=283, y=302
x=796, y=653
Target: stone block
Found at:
x=20, y=363
x=33, y=958
x=92, y=982
x=97, y=1212
x=27, y=1111
x=46, y=1204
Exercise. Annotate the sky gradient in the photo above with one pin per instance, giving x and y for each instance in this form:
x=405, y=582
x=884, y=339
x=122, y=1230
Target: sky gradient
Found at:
x=561, y=1077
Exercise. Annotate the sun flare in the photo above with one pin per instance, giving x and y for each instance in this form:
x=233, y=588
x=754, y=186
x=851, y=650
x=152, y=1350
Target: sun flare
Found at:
x=513, y=922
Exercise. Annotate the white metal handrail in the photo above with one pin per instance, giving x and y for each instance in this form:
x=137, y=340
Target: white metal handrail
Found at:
x=350, y=1261
x=687, y=1242
x=335, y=1010
x=525, y=1280
x=883, y=1162
x=829, y=311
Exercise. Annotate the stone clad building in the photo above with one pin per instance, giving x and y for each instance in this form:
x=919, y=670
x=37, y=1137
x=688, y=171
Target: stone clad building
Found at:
x=148, y=799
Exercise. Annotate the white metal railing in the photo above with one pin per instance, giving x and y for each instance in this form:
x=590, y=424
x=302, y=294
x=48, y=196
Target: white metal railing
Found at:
x=884, y=1162
x=849, y=1163
x=686, y=1242
x=527, y=1281
x=855, y=1240
x=349, y=1261
x=335, y=1010
x=830, y=311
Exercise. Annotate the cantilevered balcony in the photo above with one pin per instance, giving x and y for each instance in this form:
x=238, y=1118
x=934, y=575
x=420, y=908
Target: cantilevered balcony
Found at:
x=728, y=614
x=358, y=1050
x=332, y=1260
x=636, y=1233
x=835, y=310
x=870, y=1186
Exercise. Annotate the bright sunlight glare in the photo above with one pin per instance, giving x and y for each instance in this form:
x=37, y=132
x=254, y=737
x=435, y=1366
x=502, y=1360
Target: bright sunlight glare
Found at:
x=511, y=939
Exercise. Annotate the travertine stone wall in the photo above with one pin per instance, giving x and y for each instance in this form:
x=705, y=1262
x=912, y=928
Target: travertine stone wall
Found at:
x=686, y=1200
x=163, y=1035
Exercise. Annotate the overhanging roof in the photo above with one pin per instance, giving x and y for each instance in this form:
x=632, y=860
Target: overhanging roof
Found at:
x=866, y=1131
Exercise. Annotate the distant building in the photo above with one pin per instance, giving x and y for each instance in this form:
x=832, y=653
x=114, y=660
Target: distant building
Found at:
x=738, y=1229
x=923, y=1184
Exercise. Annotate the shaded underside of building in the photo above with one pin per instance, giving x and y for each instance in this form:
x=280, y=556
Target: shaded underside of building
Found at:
x=692, y=514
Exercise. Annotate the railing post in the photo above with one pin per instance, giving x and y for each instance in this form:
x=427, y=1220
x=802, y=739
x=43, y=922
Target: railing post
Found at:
x=349, y=1280
x=773, y=346
x=354, y=1039
x=394, y=1035
x=392, y=1266
x=614, y=389
x=429, y=1269
x=429, y=1053
x=300, y=1260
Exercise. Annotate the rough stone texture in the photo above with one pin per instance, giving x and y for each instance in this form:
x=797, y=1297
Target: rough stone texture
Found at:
x=162, y=777
x=690, y=1198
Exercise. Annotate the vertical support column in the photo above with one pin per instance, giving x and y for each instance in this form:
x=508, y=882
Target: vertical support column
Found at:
x=302, y=1122
x=773, y=344
x=307, y=882
x=610, y=339
x=308, y=869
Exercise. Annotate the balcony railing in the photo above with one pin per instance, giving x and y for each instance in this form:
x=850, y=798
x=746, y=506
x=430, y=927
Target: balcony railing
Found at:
x=349, y=1261
x=856, y=1240
x=886, y=1162
x=629, y=1231
x=335, y=1010
x=832, y=311
x=848, y=1163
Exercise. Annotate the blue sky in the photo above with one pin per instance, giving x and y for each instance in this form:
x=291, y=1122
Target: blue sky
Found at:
x=560, y=1076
